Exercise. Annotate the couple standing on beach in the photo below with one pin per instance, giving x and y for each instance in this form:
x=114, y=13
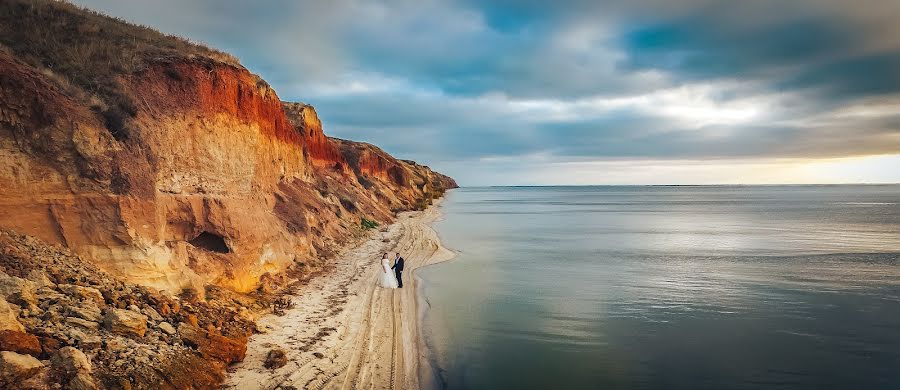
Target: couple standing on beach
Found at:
x=388, y=279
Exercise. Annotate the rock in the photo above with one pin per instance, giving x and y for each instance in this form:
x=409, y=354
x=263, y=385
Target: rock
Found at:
x=152, y=314
x=90, y=325
x=16, y=367
x=115, y=345
x=87, y=342
x=9, y=318
x=48, y=294
x=40, y=279
x=166, y=327
x=90, y=313
x=165, y=310
x=213, y=346
x=82, y=381
x=125, y=322
x=17, y=290
x=275, y=359
x=260, y=328
x=82, y=292
x=192, y=320
x=70, y=362
x=26, y=298
x=49, y=345
x=19, y=342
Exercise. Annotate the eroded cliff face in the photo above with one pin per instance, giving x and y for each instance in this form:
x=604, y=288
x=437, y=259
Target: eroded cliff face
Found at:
x=209, y=180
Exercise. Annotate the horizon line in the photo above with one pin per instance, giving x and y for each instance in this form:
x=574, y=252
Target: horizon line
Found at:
x=683, y=185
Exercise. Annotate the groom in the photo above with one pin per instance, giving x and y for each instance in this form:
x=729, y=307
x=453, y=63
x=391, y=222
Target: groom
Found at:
x=398, y=268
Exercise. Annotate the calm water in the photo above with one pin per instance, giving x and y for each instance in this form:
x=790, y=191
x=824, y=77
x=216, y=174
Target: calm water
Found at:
x=794, y=287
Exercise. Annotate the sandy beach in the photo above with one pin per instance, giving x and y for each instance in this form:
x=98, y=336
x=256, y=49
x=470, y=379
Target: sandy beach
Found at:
x=344, y=332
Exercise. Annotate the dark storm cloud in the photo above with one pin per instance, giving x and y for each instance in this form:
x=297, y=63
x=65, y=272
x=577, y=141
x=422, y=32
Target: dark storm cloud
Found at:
x=443, y=81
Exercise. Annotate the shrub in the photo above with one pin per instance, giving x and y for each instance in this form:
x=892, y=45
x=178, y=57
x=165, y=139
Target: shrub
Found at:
x=368, y=223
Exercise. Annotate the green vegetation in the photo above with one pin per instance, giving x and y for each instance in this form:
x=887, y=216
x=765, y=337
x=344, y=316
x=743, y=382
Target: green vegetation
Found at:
x=368, y=223
x=428, y=198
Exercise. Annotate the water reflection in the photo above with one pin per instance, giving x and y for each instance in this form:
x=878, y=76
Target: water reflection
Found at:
x=645, y=287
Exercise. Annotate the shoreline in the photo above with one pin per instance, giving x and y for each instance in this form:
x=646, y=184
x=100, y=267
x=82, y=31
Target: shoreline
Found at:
x=343, y=331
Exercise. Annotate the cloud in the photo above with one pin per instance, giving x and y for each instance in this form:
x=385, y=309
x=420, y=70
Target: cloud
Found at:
x=458, y=84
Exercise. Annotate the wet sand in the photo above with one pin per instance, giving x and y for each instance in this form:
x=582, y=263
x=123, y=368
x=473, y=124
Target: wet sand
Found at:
x=346, y=333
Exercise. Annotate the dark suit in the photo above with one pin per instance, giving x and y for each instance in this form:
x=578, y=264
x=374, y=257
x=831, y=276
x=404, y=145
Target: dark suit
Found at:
x=398, y=268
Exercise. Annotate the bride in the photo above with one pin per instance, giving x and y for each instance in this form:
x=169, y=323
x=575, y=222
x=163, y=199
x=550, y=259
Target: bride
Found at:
x=386, y=277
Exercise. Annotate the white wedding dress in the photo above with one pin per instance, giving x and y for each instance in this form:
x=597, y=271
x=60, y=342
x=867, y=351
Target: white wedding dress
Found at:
x=386, y=276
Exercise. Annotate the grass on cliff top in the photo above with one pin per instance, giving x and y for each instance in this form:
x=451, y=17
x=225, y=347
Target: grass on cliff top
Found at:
x=85, y=51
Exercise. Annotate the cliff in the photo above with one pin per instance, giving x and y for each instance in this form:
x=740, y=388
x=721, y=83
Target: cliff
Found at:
x=170, y=166
x=201, y=147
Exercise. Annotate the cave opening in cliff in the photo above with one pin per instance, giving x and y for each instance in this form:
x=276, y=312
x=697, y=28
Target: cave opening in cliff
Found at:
x=211, y=242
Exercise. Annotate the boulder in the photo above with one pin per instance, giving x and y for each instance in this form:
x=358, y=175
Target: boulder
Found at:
x=40, y=279
x=116, y=344
x=214, y=346
x=82, y=381
x=17, y=290
x=19, y=342
x=49, y=345
x=166, y=327
x=82, y=292
x=87, y=312
x=125, y=322
x=86, y=341
x=15, y=368
x=89, y=325
x=9, y=317
x=48, y=294
x=70, y=361
x=275, y=359
x=152, y=314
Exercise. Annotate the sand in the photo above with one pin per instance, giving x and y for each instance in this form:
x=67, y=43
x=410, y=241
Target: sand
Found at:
x=344, y=332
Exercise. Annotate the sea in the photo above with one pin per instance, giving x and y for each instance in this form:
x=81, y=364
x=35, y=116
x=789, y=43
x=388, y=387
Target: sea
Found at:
x=666, y=287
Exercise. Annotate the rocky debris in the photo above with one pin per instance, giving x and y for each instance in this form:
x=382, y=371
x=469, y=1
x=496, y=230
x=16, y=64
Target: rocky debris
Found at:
x=67, y=317
x=125, y=322
x=15, y=367
x=212, y=345
x=275, y=359
x=19, y=342
x=281, y=305
x=9, y=318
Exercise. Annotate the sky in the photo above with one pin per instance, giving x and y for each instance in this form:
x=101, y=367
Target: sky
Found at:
x=580, y=92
